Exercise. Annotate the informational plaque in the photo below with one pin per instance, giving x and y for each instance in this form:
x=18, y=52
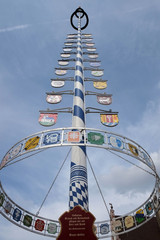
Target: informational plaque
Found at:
x=77, y=224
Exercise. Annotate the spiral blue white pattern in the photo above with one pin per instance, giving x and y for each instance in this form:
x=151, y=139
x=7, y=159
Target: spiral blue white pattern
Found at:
x=78, y=176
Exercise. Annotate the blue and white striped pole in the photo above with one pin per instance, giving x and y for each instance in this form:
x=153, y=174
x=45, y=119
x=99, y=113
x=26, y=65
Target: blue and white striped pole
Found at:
x=78, y=176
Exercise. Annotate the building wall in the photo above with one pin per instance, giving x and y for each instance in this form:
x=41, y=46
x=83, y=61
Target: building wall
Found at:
x=149, y=231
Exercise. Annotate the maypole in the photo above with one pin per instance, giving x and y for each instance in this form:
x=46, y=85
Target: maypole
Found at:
x=78, y=177
x=78, y=223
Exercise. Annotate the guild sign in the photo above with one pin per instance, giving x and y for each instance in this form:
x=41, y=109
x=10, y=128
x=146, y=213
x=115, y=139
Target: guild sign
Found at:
x=39, y=225
x=64, y=55
x=95, y=138
x=57, y=84
x=60, y=72
x=129, y=222
x=91, y=49
x=27, y=221
x=97, y=73
x=1, y=199
x=93, y=56
x=149, y=208
x=73, y=136
x=140, y=216
x=105, y=100
x=67, y=49
x=117, y=226
x=71, y=35
x=133, y=149
x=100, y=85
x=116, y=142
x=17, y=214
x=51, y=138
x=48, y=119
x=88, y=39
x=31, y=143
x=104, y=228
x=53, y=98
x=63, y=63
x=87, y=35
x=77, y=224
x=8, y=207
x=5, y=160
x=68, y=44
x=16, y=150
x=95, y=64
x=109, y=120
x=52, y=228
x=90, y=44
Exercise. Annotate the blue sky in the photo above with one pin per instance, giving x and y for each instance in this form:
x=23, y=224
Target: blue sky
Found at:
x=32, y=35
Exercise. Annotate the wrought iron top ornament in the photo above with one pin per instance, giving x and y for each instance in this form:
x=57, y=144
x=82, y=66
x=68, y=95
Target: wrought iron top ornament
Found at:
x=81, y=14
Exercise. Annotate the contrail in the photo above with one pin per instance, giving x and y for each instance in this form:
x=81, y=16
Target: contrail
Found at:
x=14, y=28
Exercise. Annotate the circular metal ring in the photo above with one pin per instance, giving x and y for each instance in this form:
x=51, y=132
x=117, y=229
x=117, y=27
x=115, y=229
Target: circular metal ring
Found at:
x=112, y=142
x=83, y=14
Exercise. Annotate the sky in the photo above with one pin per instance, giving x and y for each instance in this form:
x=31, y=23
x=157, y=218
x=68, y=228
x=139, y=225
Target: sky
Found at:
x=32, y=35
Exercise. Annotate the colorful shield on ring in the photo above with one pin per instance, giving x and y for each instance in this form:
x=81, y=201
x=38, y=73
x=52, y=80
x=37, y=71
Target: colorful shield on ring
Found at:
x=133, y=149
x=116, y=142
x=51, y=138
x=31, y=143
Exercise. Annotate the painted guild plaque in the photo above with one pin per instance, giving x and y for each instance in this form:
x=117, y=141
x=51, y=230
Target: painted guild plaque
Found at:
x=100, y=85
x=68, y=44
x=105, y=100
x=71, y=35
x=95, y=64
x=39, y=225
x=109, y=120
x=48, y=119
x=93, y=56
x=32, y=143
x=87, y=35
x=77, y=224
x=88, y=39
x=63, y=63
x=64, y=55
x=60, y=72
x=57, y=84
x=140, y=216
x=53, y=98
x=97, y=73
x=133, y=149
x=90, y=44
x=67, y=49
x=91, y=49
x=73, y=136
x=129, y=222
